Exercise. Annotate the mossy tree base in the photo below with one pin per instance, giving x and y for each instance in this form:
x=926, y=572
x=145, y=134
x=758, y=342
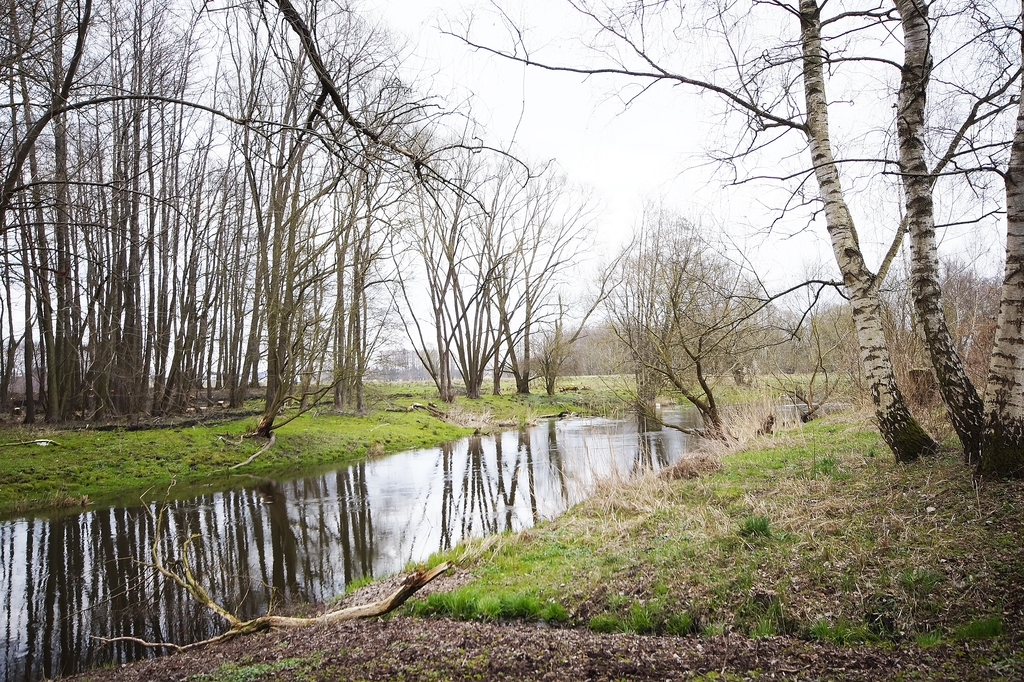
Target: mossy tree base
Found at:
x=1003, y=451
x=904, y=435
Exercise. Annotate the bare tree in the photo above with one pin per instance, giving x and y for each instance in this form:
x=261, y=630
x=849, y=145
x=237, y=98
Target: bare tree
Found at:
x=816, y=354
x=543, y=231
x=561, y=332
x=687, y=313
x=437, y=241
x=171, y=211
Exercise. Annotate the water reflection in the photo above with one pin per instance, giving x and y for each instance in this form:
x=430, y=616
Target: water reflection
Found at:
x=66, y=580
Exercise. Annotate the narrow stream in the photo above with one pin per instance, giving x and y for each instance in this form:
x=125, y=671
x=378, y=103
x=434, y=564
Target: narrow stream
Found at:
x=68, y=579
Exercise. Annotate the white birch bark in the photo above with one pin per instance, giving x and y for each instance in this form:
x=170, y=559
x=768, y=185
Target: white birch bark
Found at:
x=898, y=427
x=1003, y=453
x=963, y=405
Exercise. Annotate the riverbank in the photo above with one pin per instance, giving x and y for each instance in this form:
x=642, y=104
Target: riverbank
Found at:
x=814, y=533
x=808, y=555
x=42, y=467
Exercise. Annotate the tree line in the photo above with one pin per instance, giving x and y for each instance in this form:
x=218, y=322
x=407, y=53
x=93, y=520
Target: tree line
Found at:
x=200, y=205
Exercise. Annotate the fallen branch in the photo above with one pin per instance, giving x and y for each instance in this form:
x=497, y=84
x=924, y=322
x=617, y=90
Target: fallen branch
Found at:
x=420, y=406
x=39, y=441
x=140, y=642
x=412, y=584
x=700, y=433
x=186, y=580
x=270, y=444
x=180, y=648
x=429, y=408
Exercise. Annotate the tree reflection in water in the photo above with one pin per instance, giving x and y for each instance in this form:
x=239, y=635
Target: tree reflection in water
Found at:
x=65, y=579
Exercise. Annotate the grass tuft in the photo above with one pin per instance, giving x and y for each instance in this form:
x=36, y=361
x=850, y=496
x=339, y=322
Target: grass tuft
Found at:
x=981, y=628
x=605, y=622
x=840, y=632
x=641, y=619
x=470, y=604
x=755, y=526
x=553, y=612
x=361, y=581
x=680, y=624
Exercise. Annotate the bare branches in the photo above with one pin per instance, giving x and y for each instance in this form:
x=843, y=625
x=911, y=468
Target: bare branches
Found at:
x=57, y=106
x=300, y=28
x=655, y=73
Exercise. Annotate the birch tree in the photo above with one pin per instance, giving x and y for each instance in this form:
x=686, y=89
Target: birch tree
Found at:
x=1003, y=435
x=989, y=430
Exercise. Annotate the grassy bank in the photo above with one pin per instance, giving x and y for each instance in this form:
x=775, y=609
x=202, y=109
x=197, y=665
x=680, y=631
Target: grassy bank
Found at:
x=84, y=465
x=814, y=532
x=96, y=466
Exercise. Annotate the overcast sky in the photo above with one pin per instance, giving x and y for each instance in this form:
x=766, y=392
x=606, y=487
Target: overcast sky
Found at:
x=578, y=123
x=654, y=149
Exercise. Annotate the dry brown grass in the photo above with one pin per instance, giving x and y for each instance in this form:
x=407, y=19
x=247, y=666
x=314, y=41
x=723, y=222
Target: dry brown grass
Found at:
x=469, y=419
x=692, y=465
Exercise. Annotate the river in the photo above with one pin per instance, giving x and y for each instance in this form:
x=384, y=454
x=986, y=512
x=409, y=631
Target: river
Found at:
x=67, y=579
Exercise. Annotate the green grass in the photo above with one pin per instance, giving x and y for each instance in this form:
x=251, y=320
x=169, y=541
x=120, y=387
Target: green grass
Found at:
x=840, y=632
x=755, y=527
x=361, y=581
x=108, y=466
x=468, y=604
x=980, y=628
x=777, y=543
x=679, y=624
x=250, y=672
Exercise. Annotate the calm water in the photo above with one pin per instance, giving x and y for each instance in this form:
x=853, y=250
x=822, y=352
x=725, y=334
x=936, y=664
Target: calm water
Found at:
x=67, y=579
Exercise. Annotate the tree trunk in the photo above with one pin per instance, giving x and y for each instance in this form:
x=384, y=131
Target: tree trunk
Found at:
x=523, y=378
x=1003, y=450
x=30, y=403
x=963, y=404
x=901, y=432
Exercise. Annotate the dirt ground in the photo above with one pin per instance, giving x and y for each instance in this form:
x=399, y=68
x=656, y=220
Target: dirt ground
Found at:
x=405, y=648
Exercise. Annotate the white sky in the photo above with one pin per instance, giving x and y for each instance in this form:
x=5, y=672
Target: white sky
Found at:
x=655, y=149
x=622, y=156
